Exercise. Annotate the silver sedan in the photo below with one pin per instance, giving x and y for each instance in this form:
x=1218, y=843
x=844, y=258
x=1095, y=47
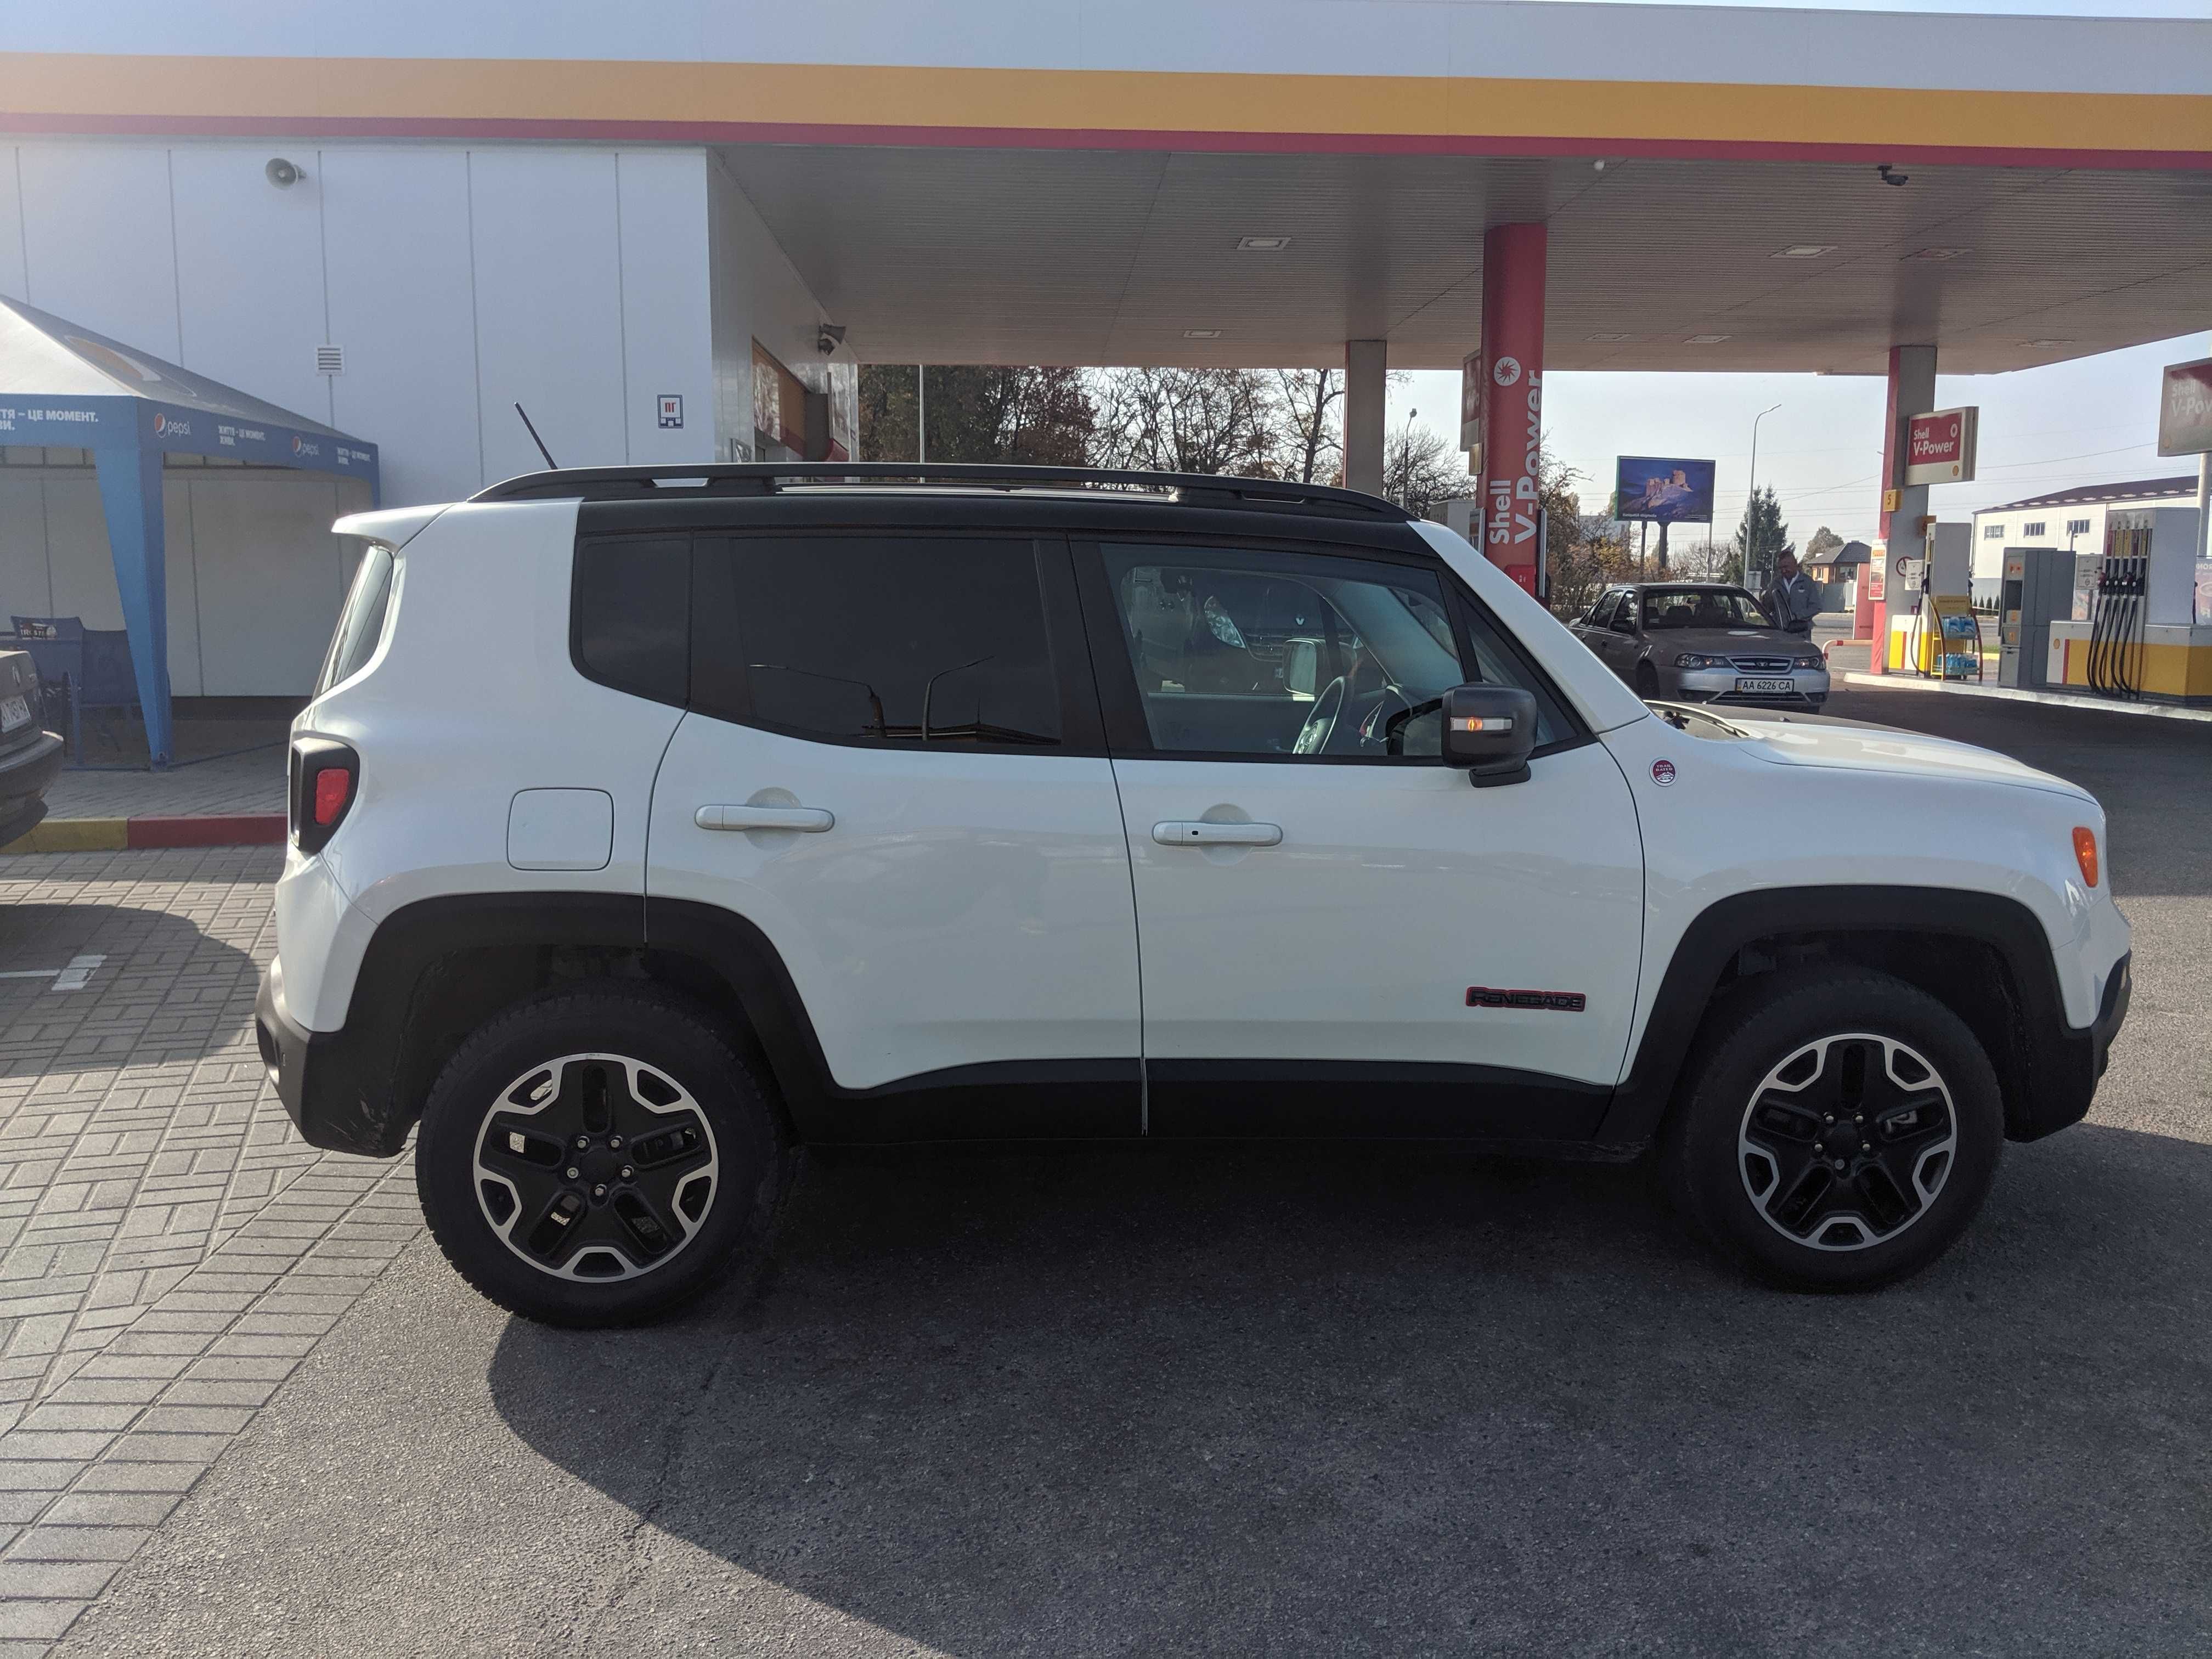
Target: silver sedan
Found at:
x=1702, y=642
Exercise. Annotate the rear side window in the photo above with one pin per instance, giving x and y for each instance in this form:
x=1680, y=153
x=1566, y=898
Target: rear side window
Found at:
x=361, y=625
x=632, y=605
x=878, y=638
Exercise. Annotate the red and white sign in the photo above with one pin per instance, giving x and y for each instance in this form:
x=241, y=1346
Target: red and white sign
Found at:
x=1471, y=372
x=2185, y=410
x=1939, y=449
x=1513, y=258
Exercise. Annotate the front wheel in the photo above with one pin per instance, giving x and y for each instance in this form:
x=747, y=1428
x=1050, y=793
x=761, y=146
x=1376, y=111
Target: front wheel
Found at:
x=1838, y=1131
x=597, y=1156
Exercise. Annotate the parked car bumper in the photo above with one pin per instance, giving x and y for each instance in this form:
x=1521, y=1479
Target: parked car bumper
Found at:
x=319, y=1075
x=24, y=776
x=1808, y=687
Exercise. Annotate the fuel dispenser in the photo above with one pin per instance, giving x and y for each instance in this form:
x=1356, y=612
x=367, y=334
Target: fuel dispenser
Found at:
x=1926, y=583
x=2036, y=591
x=2137, y=627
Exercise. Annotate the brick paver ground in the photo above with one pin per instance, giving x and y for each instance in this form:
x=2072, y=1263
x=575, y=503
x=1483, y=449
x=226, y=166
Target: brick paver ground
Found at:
x=169, y=1249
x=250, y=782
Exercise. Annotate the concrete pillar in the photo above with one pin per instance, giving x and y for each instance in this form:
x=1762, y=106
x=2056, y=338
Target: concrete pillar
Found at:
x=1366, y=384
x=1513, y=263
x=1911, y=391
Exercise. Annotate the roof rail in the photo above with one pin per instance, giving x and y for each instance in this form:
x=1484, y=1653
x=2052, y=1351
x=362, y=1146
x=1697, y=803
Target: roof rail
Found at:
x=756, y=478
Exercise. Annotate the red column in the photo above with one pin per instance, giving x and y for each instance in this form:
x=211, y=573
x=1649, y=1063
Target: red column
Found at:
x=1513, y=394
x=1867, y=622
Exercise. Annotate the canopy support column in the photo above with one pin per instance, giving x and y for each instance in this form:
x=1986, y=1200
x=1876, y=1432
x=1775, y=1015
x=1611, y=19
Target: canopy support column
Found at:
x=1366, y=384
x=1911, y=391
x=1514, y=264
x=130, y=497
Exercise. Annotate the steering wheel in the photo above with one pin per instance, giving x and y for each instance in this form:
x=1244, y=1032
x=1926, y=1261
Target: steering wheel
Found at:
x=1380, y=723
x=1320, y=725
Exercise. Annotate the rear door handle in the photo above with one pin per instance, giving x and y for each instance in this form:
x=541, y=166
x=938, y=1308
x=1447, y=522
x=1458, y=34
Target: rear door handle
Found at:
x=1184, y=833
x=807, y=820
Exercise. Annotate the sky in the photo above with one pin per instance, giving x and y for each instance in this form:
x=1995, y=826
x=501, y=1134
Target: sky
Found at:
x=2093, y=420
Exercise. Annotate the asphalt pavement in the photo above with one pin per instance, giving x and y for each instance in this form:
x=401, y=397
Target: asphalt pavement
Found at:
x=1228, y=1401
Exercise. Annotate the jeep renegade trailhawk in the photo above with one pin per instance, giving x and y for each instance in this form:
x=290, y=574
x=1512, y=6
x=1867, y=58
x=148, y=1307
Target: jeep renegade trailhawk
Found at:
x=647, y=823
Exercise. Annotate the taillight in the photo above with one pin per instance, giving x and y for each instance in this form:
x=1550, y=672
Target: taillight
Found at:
x=326, y=776
x=333, y=790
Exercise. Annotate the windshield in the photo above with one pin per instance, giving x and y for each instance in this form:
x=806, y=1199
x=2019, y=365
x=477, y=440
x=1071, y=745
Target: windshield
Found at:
x=1702, y=607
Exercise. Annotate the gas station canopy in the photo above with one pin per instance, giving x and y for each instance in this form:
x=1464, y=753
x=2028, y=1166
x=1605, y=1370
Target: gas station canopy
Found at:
x=1075, y=181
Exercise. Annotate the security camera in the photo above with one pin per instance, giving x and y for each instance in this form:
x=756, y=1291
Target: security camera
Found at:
x=828, y=336
x=1890, y=175
x=283, y=174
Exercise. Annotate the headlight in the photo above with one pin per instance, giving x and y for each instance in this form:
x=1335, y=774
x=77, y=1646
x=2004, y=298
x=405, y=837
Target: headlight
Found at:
x=1692, y=659
x=1814, y=662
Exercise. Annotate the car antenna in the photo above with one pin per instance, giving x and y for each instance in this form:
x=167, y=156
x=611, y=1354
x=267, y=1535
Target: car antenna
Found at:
x=550, y=463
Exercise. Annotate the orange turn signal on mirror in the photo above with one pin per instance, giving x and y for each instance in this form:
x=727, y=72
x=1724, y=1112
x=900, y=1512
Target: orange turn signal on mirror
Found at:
x=2085, y=853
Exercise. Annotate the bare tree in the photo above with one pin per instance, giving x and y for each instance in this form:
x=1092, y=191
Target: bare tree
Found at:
x=1187, y=420
x=1420, y=473
x=1311, y=431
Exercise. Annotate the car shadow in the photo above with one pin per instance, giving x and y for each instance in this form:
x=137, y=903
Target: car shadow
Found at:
x=1404, y=1400
x=164, y=989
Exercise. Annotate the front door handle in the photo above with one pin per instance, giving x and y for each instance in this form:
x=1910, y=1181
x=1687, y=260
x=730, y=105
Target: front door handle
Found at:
x=1184, y=833
x=807, y=820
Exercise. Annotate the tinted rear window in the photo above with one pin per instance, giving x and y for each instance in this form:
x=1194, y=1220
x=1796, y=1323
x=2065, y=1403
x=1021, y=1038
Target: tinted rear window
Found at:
x=887, y=638
x=632, y=607
x=360, y=625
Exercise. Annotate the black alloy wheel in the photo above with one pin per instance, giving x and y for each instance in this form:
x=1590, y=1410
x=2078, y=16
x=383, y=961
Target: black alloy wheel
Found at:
x=598, y=1156
x=1836, y=1128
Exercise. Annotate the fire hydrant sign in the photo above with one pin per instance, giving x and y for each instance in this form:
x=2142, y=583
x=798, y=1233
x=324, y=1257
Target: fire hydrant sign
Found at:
x=2185, y=410
x=1939, y=449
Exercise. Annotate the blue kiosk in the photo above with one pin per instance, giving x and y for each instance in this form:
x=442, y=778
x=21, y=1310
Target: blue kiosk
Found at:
x=64, y=385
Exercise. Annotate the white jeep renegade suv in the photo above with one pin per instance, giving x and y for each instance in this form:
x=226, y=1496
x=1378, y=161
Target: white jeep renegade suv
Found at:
x=648, y=824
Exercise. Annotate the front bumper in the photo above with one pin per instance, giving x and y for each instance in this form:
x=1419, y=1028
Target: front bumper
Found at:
x=2061, y=1079
x=1808, y=687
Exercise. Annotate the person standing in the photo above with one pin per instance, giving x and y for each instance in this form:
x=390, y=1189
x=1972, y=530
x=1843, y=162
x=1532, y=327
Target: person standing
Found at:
x=1794, y=599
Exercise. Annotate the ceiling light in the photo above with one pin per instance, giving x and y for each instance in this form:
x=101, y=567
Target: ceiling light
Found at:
x=1935, y=253
x=1201, y=334
x=1803, y=250
x=1604, y=337
x=1262, y=243
x=1707, y=339
x=2046, y=343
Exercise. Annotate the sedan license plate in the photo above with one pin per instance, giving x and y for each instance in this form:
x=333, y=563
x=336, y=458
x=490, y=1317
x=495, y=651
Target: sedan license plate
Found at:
x=15, y=711
x=1765, y=687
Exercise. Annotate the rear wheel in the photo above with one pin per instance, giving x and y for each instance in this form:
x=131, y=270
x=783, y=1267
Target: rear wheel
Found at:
x=1839, y=1129
x=1647, y=681
x=597, y=1158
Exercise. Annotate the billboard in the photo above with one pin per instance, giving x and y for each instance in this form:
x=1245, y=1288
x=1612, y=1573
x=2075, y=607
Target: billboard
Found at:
x=1657, y=489
x=1939, y=447
x=2185, y=408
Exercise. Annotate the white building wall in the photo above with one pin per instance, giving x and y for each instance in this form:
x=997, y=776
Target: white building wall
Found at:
x=459, y=280
x=585, y=282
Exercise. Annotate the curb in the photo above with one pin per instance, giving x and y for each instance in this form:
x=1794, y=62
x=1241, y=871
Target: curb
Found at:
x=116, y=835
x=2046, y=699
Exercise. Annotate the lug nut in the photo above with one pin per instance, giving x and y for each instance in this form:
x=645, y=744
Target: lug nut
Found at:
x=1830, y=1118
x=583, y=1143
x=575, y=1174
x=615, y=1141
x=1866, y=1146
x=598, y=1191
x=1858, y=1117
x=627, y=1172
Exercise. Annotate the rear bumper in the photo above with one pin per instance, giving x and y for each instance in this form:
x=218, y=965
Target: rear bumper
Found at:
x=319, y=1077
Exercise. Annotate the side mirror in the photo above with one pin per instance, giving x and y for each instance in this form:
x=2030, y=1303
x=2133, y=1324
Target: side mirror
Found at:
x=1489, y=730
